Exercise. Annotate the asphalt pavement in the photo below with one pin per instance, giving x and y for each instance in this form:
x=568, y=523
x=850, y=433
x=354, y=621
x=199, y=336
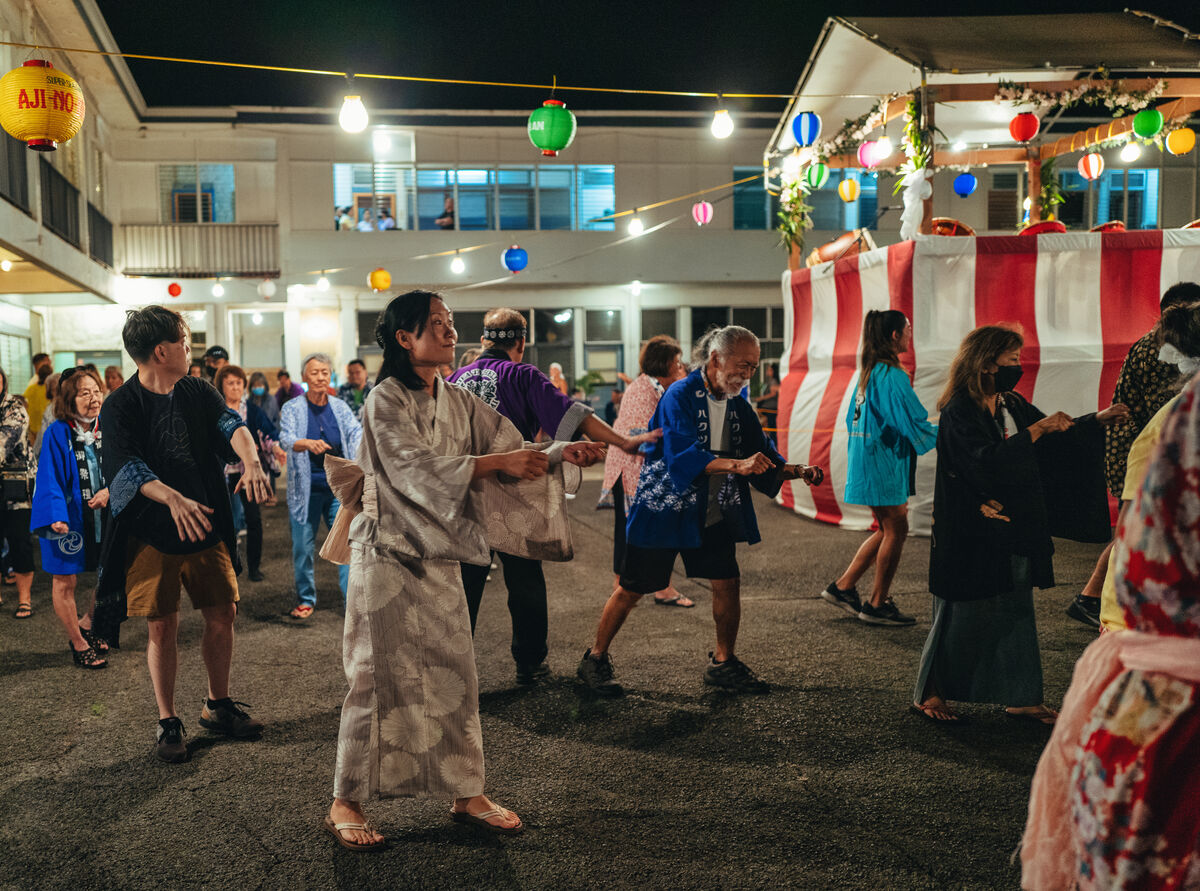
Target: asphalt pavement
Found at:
x=826, y=782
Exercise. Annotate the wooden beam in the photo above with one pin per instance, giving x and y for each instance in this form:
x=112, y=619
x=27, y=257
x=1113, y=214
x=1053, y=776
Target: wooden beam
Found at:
x=971, y=158
x=986, y=92
x=1114, y=129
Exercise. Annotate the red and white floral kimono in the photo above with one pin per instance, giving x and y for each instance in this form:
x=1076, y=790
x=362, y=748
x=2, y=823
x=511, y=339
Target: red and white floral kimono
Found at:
x=1116, y=799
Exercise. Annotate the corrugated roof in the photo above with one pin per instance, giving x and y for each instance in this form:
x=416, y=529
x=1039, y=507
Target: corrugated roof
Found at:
x=1119, y=41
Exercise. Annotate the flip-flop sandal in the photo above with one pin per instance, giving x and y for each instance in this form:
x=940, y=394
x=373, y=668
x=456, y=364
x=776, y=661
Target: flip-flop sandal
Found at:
x=927, y=712
x=675, y=601
x=24, y=611
x=335, y=829
x=301, y=612
x=482, y=820
x=1043, y=716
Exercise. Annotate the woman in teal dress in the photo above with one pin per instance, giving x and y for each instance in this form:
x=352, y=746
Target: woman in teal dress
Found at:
x=888, y=429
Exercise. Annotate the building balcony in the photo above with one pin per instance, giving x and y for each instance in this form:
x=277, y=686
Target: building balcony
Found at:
x=202, y=250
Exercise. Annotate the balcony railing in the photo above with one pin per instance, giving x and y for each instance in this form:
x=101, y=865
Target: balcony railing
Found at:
x=201, y=250
x=100, y=236
x=60, y=204
x=14, y=175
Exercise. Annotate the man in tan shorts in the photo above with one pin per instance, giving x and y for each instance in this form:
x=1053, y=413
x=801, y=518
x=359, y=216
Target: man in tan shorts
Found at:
x=167, y=438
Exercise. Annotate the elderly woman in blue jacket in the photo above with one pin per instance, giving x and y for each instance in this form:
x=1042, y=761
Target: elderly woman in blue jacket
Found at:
x=888, y=428
x=311, y=428
x=70, y=501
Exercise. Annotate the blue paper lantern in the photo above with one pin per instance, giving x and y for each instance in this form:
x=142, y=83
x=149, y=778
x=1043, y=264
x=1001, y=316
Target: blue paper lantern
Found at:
x=514, y=259
x=806, y=127
x=965, y=184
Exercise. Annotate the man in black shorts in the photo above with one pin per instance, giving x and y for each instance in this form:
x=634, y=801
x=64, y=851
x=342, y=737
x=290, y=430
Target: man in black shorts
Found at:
x=693, y=499
x=167, y=439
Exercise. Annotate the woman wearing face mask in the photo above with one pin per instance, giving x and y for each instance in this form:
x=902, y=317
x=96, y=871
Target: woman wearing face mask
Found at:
x=1008, y=478
x=70, y=505
x=230, y=382
x=262, y=397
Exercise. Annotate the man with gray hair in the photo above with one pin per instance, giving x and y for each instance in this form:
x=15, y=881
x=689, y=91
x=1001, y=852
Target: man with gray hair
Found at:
x=693, y=499
x=312, y=428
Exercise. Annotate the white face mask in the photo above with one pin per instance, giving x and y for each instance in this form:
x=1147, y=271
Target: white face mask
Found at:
x=1187, y=365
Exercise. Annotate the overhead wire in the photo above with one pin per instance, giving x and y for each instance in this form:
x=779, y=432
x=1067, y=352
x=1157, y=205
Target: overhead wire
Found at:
x=408, y=78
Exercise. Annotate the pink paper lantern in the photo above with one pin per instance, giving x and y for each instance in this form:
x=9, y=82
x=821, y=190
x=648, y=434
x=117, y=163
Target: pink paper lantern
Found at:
x=868, y=155
x=1091, y=165
x=702, y=213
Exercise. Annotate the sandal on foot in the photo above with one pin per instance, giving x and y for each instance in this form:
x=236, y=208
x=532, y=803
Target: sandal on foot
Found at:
x=88, y=658
x=303, y=611
x=24, y=611
x=485, y=818
x=677, y=600
x=335, y=829
x=1040, y=715
x=929, y=713
x=95, y=641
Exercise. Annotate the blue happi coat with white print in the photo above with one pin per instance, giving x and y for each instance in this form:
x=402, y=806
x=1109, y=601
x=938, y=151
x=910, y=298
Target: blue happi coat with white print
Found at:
x=671, y=503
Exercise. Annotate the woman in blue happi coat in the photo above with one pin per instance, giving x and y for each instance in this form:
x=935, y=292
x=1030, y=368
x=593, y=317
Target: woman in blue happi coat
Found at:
x=70, y=501
x=888, y=428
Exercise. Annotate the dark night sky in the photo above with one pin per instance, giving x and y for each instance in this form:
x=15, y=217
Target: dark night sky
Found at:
x=746, y=46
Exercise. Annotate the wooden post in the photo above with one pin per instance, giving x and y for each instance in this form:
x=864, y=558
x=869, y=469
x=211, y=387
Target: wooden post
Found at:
x=1034, y=168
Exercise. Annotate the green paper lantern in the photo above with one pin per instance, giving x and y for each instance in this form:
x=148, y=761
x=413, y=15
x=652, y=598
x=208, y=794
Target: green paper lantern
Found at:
x=816, y=175
x=1147, y=123
x=551, y=127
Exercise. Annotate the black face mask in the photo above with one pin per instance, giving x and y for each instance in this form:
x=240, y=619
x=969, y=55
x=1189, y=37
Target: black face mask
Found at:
x=1006, y=377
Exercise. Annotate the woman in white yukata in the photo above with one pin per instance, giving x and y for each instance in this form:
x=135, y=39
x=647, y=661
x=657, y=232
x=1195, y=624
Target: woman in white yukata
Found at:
x=410, y=724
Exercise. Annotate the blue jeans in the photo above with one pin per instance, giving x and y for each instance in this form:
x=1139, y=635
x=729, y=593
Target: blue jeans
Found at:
x=321, y=503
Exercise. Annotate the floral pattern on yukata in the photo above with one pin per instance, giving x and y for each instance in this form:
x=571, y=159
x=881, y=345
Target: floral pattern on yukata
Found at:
x=16, y=455
x=1145, y=385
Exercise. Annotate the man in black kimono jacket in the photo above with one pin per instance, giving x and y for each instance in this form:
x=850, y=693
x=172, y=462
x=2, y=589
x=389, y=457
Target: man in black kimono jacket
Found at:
x=167, y=438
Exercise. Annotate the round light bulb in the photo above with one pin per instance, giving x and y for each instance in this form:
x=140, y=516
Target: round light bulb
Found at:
x=722, y=124
x=457, y=266
x=959, y=146
x=884, y=148
x=256, y=318
x=6, y=265
x=322, y=284
x=1131, y=152
x=218, y=290
x=636, y=288
x=636, y=226
x=353, y=117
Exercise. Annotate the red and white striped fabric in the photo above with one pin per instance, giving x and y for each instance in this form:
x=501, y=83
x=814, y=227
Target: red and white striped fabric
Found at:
x=1082, y=299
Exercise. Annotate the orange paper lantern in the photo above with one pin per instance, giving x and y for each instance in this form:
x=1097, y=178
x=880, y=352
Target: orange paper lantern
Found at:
x=40, y=106
x=379, y=279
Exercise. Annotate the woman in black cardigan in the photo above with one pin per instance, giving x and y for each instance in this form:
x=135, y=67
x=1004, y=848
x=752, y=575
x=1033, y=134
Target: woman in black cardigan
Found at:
x=1008, y=478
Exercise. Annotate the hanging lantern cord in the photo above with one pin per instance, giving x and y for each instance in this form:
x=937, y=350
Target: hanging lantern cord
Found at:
x=553, y=86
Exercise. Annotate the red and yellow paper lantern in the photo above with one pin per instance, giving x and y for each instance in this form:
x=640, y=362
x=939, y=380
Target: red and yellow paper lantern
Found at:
x=1091, y=165
x=1024, y=126
x=379, y=279
x=40, y=106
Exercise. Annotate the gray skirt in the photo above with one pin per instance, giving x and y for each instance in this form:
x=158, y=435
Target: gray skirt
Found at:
x=984, y=650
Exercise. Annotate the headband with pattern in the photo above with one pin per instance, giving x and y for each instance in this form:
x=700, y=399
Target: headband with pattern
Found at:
x=513, y=334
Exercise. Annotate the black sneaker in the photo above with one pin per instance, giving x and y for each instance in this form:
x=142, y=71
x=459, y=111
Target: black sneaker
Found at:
x=172, y=741
x=256, y=575
x=597, y=673
x=224, y=716
x=1085, y=610
x=885, y=614
x=733, y=674
x=531, y=674
x=847, y=600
